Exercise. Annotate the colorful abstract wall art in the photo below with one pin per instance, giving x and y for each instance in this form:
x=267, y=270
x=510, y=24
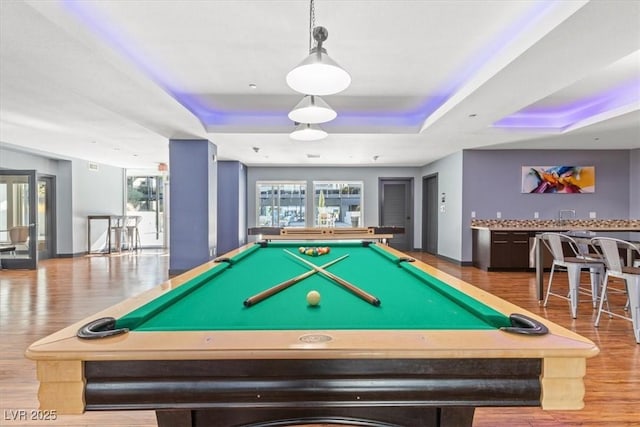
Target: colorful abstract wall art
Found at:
x=558, y=179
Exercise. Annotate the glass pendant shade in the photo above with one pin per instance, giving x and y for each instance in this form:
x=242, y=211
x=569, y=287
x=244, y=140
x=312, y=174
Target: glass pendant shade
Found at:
x=308, y=132
x=312, y=109
x=318, y=74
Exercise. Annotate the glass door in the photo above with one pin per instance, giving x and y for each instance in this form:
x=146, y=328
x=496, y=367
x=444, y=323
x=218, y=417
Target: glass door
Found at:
x=18, y=238
x=46, y=217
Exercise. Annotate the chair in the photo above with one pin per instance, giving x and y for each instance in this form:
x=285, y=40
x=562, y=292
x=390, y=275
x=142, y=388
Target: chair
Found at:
x=574, y=266
x=609, y=248
x=19, y=236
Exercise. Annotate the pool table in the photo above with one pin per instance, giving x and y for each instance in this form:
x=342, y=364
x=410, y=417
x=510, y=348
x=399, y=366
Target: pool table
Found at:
x=432, y=350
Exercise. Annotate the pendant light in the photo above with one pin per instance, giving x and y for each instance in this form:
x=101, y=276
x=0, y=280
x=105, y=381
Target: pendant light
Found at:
x=308, y=132
x=318, y=74
x=312, y=109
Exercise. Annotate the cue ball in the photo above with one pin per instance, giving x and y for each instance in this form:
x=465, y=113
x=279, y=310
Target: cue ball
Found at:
x=313, y=297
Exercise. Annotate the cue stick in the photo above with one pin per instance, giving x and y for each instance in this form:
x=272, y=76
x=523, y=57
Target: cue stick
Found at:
x=353, y=288
x=279, y=287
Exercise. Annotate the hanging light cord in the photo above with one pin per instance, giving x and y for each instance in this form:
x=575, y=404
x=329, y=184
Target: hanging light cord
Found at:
x=312, y=23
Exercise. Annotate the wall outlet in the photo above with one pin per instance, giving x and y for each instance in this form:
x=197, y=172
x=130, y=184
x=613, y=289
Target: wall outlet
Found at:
x=536, y=215
x=498, y=215
x=592, y=215
x=473, y=214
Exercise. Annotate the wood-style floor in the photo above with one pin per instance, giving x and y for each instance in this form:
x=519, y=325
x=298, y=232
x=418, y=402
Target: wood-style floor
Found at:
x=36, y=303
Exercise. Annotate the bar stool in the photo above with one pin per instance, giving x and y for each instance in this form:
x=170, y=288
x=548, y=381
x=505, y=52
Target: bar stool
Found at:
x=574, y=266
x=118, y=227
x=133, y=233
x=609, y=247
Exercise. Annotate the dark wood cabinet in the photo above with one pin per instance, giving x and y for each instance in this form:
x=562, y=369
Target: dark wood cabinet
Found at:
x=501, y=250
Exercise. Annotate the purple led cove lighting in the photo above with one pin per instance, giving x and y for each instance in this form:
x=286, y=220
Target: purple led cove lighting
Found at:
x=561, y=117
x=116, y=38
x=483, y=56
x=209, y=115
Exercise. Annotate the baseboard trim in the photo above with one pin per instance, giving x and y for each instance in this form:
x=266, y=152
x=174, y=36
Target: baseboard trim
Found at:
x=446, y=258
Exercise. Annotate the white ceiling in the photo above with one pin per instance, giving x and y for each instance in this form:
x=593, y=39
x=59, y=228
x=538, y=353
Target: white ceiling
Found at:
x=113, y=81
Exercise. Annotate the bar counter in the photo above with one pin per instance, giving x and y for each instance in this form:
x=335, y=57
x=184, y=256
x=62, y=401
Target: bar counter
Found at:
x=488, y=250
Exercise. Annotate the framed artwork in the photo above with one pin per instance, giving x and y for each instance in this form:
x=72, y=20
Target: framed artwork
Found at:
x=558, y=179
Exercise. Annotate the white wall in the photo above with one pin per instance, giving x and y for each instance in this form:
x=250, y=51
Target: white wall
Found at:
x=79, y=192
x=98, y=192
x=449, y=170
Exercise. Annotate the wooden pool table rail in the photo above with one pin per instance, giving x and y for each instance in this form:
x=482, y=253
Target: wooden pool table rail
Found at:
x=381, y=234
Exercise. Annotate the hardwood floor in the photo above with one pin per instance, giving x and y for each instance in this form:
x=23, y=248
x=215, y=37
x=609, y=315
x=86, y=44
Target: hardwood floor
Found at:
x=36, y=303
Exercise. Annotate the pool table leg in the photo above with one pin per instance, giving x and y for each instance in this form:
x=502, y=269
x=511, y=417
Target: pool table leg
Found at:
x=174, y=418
x=456, y=416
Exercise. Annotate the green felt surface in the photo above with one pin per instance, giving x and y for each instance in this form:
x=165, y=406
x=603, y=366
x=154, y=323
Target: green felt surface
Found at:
x=410, y=298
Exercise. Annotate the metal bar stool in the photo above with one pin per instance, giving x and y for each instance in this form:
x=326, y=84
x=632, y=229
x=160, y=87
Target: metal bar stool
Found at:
x=609, y=248
x=574, y=266
x=133, y=233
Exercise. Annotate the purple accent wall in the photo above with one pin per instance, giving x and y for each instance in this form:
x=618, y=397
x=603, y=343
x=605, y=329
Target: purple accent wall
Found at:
x=193, y=204
x=634, y=184
x=492, y=182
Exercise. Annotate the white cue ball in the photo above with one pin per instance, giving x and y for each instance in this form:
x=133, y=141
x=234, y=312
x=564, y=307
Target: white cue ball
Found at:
x=313, y=297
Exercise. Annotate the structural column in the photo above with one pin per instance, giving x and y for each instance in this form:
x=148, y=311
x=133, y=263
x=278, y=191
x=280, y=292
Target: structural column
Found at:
x=232, y=206
x=193, y=203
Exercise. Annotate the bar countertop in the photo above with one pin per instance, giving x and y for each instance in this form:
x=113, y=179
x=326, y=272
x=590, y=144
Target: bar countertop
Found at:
x=555, y=225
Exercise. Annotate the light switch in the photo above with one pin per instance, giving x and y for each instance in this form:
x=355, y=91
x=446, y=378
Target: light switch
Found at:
x=498, y=215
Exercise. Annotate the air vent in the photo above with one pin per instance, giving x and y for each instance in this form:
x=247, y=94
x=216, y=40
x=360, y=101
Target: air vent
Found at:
x=313, y=156
x=93, y=166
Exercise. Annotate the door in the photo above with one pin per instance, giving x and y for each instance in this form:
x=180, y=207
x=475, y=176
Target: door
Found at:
x=430, y=214
x=18, y=218
x=396, y=207
x=46, y=217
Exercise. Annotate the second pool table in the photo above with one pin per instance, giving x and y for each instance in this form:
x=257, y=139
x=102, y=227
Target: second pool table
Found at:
x=432, y=350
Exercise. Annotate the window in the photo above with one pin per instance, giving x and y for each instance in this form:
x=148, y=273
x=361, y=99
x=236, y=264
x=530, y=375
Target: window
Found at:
x=337, y=204
x=281, y=204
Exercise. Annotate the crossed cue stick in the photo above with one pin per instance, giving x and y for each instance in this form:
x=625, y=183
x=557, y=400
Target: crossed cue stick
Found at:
x=284, y=285
x=316, y=269
x=353, y=288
